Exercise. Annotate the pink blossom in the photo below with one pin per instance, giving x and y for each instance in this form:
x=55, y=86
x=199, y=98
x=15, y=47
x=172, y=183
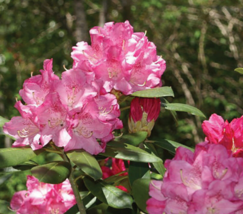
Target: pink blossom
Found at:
x=74, y=112
x=37, y=87
x=206, y=181
x=121, y=59
x=43, y=198
x=218, y=131
x=96, y=120
x=143, y=114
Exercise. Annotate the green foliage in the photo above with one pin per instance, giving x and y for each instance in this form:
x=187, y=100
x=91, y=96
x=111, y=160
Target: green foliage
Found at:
x=128, y=152
x=87, y=163
x=53, y=173
x=20, y=155
x=109, y=194
x=155, y=92
x=140, y=189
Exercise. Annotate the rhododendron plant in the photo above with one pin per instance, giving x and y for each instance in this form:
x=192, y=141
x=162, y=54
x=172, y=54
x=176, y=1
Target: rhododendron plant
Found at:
x=73, y=140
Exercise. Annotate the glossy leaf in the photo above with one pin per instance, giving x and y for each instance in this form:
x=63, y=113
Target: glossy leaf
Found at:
x=109, y=194
x=183, y=108
x=239, y=70
x=128, y=152
x=87, y=163
x=133, y=139
x=53, y=173
x=15, y=156
x=137, y=170
x=159, y=166
x=155, y=92
x=140, y=191
x=170, y=145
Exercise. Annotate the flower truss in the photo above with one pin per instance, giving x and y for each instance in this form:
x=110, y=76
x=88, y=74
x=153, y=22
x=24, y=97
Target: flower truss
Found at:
x=206, y=181
x=78, y=111
x=40, y=198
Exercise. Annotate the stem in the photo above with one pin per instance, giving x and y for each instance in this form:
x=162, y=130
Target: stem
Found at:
x=74, y=187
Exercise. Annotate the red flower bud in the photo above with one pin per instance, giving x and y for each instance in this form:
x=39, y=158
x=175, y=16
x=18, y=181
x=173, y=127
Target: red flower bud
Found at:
x=143, y=113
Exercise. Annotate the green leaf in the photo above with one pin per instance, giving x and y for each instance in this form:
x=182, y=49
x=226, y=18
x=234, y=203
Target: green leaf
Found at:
x=109, y=194
x=98, y=209
x=53, y=173
x=133, y=139
x=140, y=192
x=128, y=152
x=15, y=156
x=137, y=170
x=183, y=107
x=111, y=210
x=239, y=70
x=87, y=163
x=4, y=176
x=155, y=92
x=170, y=145
x=3, y=121
x=5, y=207
x=159, y=166
x=73, y=210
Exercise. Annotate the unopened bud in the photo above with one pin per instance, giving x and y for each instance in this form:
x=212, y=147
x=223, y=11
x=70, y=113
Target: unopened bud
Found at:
x=143, y=114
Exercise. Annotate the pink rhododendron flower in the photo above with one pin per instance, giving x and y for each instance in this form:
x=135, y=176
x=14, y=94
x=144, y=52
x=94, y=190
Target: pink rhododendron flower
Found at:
x=117, y=167
x=37, y=87
x=42, y=198
x=218, y=131
x=206, y=181
x=143, y=114
x=74, y=112
x=121, y=59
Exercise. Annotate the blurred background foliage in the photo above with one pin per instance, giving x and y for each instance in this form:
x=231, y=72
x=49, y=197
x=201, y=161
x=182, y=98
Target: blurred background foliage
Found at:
x=201, y=41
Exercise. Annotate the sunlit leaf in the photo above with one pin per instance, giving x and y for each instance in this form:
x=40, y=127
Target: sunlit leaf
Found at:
x=53, y=173
x=109, y=194
x=183, y=108
x=155, y=92
x=87, y=163
x=239, y=70
x=15, y=156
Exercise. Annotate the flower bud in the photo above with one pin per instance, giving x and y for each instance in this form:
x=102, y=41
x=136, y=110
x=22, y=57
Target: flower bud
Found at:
x=143, y=113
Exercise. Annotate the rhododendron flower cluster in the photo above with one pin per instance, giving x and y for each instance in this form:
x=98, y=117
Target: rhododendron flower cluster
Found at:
x=117, y=167
x=143, y=114
x=70, y=112
x=206, y=181
x=78, y=111
x=230, y=135
x=40, y=198
x=120, y=59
